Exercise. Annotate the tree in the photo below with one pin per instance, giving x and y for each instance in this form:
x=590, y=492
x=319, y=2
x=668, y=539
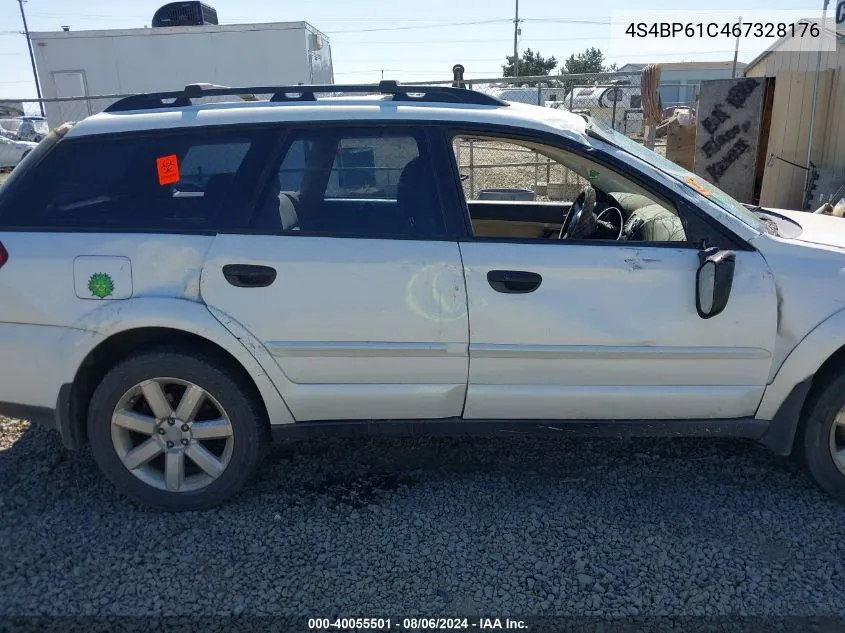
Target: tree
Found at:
x=530, y=64
x=589, y=61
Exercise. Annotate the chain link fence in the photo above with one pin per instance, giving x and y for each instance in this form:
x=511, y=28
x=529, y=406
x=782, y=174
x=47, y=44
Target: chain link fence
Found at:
x=502, y=170
x=493, y=169
x=612, y=98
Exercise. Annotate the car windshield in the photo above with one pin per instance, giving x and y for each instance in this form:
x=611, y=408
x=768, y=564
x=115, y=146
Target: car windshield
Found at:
x=686, y=178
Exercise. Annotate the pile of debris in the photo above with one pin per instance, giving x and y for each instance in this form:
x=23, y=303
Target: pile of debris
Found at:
x=828, y=208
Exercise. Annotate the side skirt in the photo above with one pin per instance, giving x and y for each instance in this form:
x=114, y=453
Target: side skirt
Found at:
x=750, y=428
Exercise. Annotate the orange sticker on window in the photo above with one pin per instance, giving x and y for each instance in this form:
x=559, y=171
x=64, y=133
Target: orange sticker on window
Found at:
x=692, y=182
x=168, y=169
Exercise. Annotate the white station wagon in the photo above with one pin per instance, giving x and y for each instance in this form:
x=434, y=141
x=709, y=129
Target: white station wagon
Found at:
x=181, y=281
x=12, y=151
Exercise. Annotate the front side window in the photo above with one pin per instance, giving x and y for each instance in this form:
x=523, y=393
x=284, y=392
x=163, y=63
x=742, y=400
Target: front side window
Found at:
x=170, y=181
x=523, y=189
x=354, y=182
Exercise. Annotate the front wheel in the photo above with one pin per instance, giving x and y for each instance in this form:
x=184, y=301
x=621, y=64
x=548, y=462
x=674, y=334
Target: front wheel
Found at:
x=175, y=430
x=821, y=441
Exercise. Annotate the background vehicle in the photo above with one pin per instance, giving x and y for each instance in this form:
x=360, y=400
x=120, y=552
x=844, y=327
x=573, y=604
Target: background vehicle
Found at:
x=525, y=94
x=25, y=128
x=618, y=105
x=12, y=152
x=182, y=283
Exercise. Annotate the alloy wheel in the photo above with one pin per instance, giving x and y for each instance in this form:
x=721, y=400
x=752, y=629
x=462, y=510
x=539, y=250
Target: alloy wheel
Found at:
x=172, y=434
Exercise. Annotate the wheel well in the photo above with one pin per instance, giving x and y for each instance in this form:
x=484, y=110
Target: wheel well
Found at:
x=120, y=346
x=826, y=372
x=828, y=369
x=786, y=426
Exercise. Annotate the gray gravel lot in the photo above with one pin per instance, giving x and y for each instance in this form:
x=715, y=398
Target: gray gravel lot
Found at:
x=431, y=527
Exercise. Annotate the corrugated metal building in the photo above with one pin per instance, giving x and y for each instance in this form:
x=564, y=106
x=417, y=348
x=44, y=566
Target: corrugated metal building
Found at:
x=789, y=133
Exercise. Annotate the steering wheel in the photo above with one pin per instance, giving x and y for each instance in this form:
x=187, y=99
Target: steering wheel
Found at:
x=610, y=226
x=580, y=221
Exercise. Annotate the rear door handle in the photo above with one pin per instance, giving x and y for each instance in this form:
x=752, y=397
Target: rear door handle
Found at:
x=514, y=281
x=249, y=275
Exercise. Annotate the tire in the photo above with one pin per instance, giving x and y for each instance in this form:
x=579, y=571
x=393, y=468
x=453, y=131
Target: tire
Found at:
x=814, y=446
x=229, y=418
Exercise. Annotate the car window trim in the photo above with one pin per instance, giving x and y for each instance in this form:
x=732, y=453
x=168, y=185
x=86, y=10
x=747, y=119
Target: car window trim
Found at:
x=715, y=233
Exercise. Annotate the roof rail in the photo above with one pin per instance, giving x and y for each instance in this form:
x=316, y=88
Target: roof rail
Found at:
x=308, y=93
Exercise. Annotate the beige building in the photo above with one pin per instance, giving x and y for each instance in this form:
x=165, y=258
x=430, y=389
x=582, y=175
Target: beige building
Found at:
x=791, y=109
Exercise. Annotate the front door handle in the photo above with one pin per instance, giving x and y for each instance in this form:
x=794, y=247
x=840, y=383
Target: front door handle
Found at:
x=514, y=281
x=249, y=275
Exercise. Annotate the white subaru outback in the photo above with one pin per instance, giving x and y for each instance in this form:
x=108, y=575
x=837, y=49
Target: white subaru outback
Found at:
x=181, y=281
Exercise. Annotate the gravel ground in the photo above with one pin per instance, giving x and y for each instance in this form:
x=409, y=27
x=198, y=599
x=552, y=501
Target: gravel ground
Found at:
x=379, y=527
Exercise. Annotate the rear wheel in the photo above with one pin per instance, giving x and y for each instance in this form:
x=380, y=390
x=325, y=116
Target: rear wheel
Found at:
x=822, y=438
x=175, y=430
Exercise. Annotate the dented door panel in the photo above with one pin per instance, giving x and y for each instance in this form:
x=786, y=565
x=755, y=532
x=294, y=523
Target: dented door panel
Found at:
x=361, y=328
x=612, y=332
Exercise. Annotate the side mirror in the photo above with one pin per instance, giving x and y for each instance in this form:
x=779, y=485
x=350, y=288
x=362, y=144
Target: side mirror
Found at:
x=713, y=282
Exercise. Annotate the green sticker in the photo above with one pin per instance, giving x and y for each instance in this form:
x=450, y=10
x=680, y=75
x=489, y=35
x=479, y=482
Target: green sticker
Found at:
x=593, y=174
x=101, y=285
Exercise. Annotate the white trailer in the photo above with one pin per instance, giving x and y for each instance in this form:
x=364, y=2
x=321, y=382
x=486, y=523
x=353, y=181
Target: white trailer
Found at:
x=130, y=61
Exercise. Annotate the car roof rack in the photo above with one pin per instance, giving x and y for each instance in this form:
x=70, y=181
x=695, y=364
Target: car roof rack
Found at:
x=304, y=93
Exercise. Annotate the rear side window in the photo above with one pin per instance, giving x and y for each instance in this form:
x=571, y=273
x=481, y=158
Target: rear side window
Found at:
x=355, y=182
x=370, y=167
x=180, y=181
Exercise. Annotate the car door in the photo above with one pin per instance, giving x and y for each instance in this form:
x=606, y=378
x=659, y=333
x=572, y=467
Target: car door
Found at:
x=600, y=328
x=349, y=278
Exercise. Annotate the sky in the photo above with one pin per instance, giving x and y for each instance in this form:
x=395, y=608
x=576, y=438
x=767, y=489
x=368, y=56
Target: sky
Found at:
x=406, y=41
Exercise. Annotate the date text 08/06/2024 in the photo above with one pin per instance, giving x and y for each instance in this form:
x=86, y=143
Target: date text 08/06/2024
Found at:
x=416, y=624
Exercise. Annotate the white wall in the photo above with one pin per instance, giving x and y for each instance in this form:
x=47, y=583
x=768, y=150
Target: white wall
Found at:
x=154, y=60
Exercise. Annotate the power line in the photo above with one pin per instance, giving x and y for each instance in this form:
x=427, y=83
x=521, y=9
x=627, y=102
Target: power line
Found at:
x=569, y=20
x=427, y=60
x=405, y=71
x=422, y=26
x=427, y=23
x=456, y=41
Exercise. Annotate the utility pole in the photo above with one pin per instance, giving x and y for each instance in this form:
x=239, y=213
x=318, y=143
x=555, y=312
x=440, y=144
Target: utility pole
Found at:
x=31, y=57
x=813, y=111
x=515, y=41
x=736, y=50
